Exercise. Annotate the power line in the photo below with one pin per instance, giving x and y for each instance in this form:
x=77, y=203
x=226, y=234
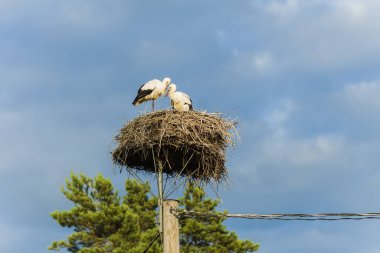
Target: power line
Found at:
x=296, y=216
x=151, y=243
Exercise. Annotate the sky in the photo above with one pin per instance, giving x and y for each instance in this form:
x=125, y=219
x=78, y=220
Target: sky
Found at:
x=301, y=77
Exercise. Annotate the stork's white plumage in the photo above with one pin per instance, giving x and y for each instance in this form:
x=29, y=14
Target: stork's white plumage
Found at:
x=179, y=100
x=151, y=91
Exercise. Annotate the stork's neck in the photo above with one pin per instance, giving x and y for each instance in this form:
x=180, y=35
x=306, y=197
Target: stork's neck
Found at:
x=172, y=89
x=171, y=92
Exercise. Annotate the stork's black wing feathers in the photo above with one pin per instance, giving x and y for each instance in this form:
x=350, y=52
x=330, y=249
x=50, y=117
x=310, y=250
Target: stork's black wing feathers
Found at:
x=190, y=105
x=141, y=94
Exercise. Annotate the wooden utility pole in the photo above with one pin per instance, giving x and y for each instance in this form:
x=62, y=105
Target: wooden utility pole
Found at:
x=170, y=227
x=160, y=195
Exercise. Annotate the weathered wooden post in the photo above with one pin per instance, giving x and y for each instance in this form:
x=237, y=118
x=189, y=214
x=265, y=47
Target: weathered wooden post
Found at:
x=170, y=226
x=160, y=197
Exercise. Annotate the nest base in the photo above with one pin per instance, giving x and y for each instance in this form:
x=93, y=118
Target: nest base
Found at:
x=188, y=143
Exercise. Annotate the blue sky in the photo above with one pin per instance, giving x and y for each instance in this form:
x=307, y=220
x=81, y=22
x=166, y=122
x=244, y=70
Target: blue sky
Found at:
x=302, y=77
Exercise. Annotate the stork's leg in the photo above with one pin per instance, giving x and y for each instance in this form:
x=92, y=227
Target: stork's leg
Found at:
x=153, y=105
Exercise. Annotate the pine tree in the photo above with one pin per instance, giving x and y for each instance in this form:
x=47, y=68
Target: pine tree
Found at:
x=103, y=222
x=208, y=234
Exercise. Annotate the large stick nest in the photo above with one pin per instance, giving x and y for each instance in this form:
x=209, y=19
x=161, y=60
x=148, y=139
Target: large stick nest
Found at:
x=187, y=143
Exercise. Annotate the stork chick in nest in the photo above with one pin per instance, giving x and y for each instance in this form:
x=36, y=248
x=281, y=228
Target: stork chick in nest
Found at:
x=179, y=100
x=151, y=91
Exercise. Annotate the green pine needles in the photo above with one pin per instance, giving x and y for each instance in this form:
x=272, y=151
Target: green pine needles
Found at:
x=102, y=221
x=207, y=234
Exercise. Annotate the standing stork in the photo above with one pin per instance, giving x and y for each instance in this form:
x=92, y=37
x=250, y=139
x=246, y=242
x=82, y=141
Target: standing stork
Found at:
x=179, y=100
x=151, y=91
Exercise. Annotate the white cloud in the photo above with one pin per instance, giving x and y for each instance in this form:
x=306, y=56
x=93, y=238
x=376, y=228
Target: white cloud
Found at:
x=349, y=10
x=363, y=96
x=354, y=10
x=283, y=9
x=282, y=152
x=301, y=152
x=280, y=144
x=316, y=34
x=279, y=115
x=247, y=64
x=358, y=104
x=262, y=61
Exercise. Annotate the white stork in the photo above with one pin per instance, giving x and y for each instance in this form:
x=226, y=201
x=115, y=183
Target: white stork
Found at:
x=179, y=100
x=151, y=91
